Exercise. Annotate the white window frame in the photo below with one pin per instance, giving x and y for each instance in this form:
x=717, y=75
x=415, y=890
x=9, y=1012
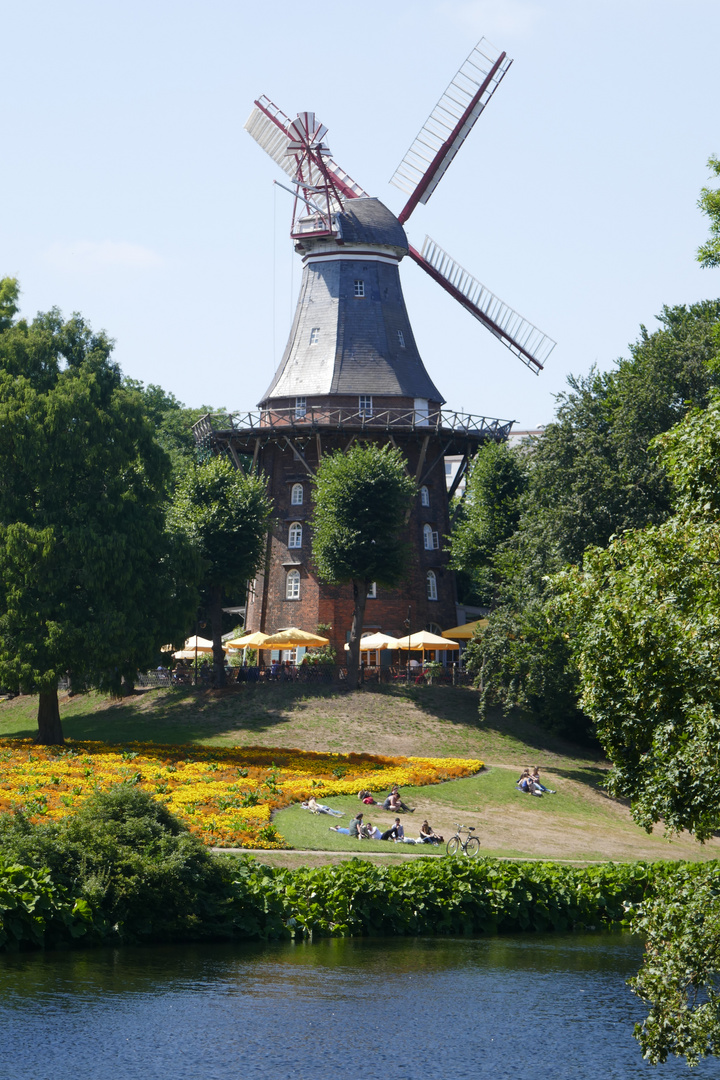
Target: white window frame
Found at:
x=401, y=339
x=431, y=585
x=365, y=405
x=295, y=535
x=300, y=408
x=359, y=287
x=431, y=538
x=372, y=591
x=297, y=495
x=314, y=335
x=292, y=585
x=424, y=496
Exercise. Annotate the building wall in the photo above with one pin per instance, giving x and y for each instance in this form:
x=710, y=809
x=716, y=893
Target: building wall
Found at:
x=269, y=609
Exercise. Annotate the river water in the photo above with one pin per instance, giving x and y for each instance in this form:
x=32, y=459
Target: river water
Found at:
x=390, y=1009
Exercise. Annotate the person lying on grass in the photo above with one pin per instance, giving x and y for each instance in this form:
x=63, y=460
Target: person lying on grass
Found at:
x=318, y=808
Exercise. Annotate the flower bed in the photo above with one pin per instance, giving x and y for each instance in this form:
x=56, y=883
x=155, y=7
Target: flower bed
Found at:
x=224, y=795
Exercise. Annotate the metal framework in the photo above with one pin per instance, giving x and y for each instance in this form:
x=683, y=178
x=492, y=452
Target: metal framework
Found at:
x=449, y=124
x=273, y=423
x=524, y=339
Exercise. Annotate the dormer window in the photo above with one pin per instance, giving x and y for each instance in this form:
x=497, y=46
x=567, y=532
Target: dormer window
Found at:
x=401, y=339
x=314, y=335
x=300, y=408
x=359, y=287
x=365, y=405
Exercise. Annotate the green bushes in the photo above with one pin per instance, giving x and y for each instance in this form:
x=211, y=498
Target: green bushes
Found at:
x=123, y=869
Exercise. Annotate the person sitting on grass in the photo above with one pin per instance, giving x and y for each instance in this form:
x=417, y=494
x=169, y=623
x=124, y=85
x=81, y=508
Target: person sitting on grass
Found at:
x=428, y=834
x=356, y=827
x=527, y=785
x=395, y=832
x=371, y=832
x=365, y=796
x=395, y=803
x=538, y=784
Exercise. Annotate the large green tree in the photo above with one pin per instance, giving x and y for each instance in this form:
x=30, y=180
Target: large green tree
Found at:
x=646, y=612
x=91, y=582
x=362, y=498
x=224, y=514
x=591, y=474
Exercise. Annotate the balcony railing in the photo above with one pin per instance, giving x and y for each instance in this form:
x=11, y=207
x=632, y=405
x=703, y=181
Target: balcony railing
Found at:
x=266, y=421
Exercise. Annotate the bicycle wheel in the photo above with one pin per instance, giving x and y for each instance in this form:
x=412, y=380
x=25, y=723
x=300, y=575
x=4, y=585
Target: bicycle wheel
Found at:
x=453, y=845
x=472, y=847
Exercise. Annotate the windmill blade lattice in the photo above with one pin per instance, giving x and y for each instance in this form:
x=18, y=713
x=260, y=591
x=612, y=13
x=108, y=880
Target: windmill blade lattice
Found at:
x=519, y=335
x=275, y=133
x=449, y=124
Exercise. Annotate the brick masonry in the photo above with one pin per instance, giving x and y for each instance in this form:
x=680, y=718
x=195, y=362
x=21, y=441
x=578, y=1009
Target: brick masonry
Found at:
x=270, y=610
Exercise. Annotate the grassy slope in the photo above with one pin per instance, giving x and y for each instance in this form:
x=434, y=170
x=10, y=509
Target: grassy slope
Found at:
x=579, y=822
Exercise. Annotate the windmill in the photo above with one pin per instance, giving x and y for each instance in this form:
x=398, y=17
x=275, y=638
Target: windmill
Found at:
x=351, y=368
x=322, y=188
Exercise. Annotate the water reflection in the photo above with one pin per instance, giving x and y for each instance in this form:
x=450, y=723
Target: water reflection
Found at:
x=418, y=1009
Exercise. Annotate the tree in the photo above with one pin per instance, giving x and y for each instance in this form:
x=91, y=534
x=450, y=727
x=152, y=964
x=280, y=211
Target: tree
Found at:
x=647, y=646
x=488, y=515
x=89, y=581
x=362, y=498
x=173, y=423
x=709, y=203
x=591, y=474
x=224, y=514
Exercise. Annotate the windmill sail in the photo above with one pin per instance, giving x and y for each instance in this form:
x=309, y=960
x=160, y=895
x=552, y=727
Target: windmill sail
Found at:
x=449, y=124
x=523, y=339
x=277, y=135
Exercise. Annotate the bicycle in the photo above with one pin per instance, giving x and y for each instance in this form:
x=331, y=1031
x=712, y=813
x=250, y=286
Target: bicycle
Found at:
x=470, y=847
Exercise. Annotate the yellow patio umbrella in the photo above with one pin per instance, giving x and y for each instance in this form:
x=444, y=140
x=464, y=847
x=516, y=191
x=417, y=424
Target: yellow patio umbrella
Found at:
x=465, y=632
x=423, y=640
x=250, y=641
x=376, y=641
x=291, y=637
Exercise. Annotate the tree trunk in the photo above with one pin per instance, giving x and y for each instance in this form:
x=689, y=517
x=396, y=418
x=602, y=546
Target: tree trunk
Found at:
x=127, y=686
x=360, y=589
x=216, y=625
x=50, y=732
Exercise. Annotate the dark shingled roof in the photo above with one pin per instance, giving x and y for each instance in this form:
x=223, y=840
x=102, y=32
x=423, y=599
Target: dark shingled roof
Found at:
x=341, y=343
x=367, y=221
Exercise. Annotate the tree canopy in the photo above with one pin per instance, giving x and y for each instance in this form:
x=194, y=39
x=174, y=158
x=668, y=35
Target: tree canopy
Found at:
x=709, y=203
x=591, y=474
x=361, y=499
x=223, y=513
x=91, y=583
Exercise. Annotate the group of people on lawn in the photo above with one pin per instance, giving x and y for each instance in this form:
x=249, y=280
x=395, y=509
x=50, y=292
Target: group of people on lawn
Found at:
x=365, y=830
x=530, y=784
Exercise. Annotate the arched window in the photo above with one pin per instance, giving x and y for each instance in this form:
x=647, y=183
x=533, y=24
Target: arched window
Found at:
x=431, y=539
x=424, y=496
x=295, y=537
x=292, y=589
x=431, y=585
x=297, y=494
x=433, y=628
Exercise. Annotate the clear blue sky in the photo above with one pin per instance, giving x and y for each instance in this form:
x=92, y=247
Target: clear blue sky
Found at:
x=131, y=193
